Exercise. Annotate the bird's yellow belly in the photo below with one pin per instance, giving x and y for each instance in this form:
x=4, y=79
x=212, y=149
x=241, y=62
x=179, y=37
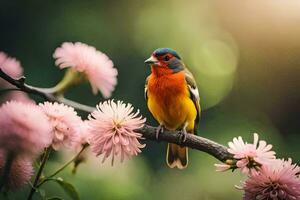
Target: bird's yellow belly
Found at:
x=174, y=113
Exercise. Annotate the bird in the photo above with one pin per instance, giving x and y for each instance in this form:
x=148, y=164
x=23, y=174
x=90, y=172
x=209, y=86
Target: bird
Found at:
x=173, y=100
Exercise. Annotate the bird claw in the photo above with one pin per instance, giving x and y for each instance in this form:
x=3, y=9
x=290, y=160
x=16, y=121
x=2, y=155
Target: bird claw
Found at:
x=159, y=129
x=183, y=135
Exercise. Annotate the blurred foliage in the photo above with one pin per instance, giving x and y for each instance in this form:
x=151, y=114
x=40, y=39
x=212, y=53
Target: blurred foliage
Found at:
x=244, y=55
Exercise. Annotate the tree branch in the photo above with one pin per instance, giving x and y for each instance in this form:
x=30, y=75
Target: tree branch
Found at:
x=45, y=93
x=192, y=141
x=195, y=142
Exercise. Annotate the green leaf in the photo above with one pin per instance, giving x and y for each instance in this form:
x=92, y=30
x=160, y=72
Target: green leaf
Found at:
x=42, y=193
x=68, y=188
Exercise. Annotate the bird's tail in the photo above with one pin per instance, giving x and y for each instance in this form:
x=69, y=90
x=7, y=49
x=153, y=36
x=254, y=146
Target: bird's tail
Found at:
x=177, y=156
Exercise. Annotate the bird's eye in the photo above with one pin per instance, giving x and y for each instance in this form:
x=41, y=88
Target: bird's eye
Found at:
x=166, y=58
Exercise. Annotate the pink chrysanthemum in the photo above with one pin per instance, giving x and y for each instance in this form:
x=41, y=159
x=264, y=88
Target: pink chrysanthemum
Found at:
x=20, y=172
x=251, y=156
x=10, y=66
x=64, y=121
x=112, y=128
x=97, y=67
x=277, y=181
x=81, y=136
x=81, y=140
x=24, y=128
x=13, y=68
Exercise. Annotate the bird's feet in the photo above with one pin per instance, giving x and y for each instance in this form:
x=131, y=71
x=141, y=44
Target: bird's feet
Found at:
x=183, y=134
x=182, y=137
x=159, y=130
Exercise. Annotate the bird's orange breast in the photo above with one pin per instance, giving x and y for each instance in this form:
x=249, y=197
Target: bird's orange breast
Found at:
x=164, y=88
x=169, y=101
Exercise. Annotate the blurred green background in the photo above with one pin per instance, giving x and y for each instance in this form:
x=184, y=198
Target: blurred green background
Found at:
x=245, y=56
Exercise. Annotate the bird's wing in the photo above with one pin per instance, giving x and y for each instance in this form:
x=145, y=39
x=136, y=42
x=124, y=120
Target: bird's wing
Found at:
x=194, y=94
x=146, y=89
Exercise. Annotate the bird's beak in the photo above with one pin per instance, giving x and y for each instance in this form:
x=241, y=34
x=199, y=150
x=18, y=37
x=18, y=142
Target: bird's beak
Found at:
x=152, y=60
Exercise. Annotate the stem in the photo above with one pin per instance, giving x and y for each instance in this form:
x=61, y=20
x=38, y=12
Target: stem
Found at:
x=39, y=173
x=70, y=79
x=76, y=104
x=68, y=163
x=4, y=177
x=62, y=167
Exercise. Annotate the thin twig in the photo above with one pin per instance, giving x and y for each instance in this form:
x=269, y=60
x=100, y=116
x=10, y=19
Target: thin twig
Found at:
x=75, y=104
x=39, y=173
x=62, y=167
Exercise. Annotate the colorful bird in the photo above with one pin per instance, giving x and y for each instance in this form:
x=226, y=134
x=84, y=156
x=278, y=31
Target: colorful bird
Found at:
x=173, y=99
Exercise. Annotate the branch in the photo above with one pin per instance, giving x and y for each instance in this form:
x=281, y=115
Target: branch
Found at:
x=192, y=141
x=45, y=93
x=75, y=104
x=195, y=142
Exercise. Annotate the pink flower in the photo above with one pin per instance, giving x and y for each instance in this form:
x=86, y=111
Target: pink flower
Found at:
x=251, y=156
x=112, y=128
x=82, y=139
x=24, y=128
x=20, y=173
x=277, y=181
x=64, y=121
x=10, y=66
x=97, y=67
x=82, y=135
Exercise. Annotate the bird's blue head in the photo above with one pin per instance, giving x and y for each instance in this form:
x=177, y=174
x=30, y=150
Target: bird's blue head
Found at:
x=166, y=58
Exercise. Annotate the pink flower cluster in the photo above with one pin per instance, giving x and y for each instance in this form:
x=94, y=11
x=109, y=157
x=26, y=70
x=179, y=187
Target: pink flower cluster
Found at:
x=24, y=133
x=26, y=129
x=268, y=177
